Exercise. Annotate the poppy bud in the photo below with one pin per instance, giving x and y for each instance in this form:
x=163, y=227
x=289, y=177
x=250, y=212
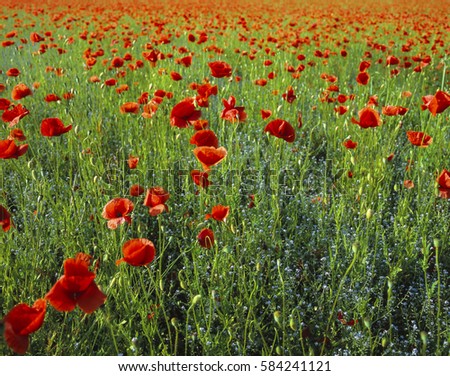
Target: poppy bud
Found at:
x=278, y=317
x=436, y=243
x=424, y=337
x=196, y=299
x=293, y=324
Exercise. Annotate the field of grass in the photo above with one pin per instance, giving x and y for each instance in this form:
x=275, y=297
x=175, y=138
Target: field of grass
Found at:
x=326, y=249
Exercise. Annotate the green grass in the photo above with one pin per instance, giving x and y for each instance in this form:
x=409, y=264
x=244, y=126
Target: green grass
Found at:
x=315, y=243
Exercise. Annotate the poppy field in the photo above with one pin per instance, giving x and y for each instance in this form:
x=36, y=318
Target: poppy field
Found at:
x=224, y=178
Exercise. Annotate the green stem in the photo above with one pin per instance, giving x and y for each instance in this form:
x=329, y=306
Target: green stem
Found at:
x=350, y=267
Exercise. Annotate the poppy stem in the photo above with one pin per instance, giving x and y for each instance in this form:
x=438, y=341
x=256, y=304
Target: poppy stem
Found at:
x=333, y=307
x=444, y=71
x=438, y=313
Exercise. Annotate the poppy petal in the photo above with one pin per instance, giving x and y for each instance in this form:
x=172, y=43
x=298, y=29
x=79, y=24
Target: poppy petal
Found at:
x=206, y=238
x=77, y=276
x=205, y=137
x=209, y=156
x=281, y=129
x=60, y=298
x=138, y=252
x=91, y=299
x=25, y=319
x=158, y=209
x=18, y=343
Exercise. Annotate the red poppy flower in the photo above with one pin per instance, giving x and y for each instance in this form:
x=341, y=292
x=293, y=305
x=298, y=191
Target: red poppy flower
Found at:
x=343, y=321
x=206, y=90
x=219, y=213
x=209, y=156
x=4, y=104
x=232, y=113
x=143, y=98
x=328, y=77
x=341, y=98
x=408, y=184
x=129, y=108
x=132, y=162
x=36, y=38
x=5, y=219
x=183, y=113
x=150, y=108
x=436, y=103
x=20, y=91
x=12, y=72
x=394, y=110
x=8, y=149
x=121, y=89
x=281, y=129
x=251, y=204
x=16, y=134
x=116, y=212
x=94, y=79
x=110, y=82
x=289, y=95
x=205, y=137
x=200, y=178
x=52, y=127
x=185, y=61
x=220, y=69
x=200, y=124
x=261, y=82
x=266, y=114
x=7, y=43
x=117, y=62
x=155, y=199
x=419, y=139
x=52, y=98
x=363, y=78
x=444, y=184
x=20, y=322
x=341, y=110
x=12, y=34
x=373, y=100
x=368, y=118
x=138, y=252
x=364, y=65
x=136, y=190
x=160, y=93
x=175, y=76
x=76, y=287
x=349, y=144
x=392, y=60
x=14, y=115
x=206, y=238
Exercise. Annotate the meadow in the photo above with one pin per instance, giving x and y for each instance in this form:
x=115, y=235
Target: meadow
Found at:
x=214, y=178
